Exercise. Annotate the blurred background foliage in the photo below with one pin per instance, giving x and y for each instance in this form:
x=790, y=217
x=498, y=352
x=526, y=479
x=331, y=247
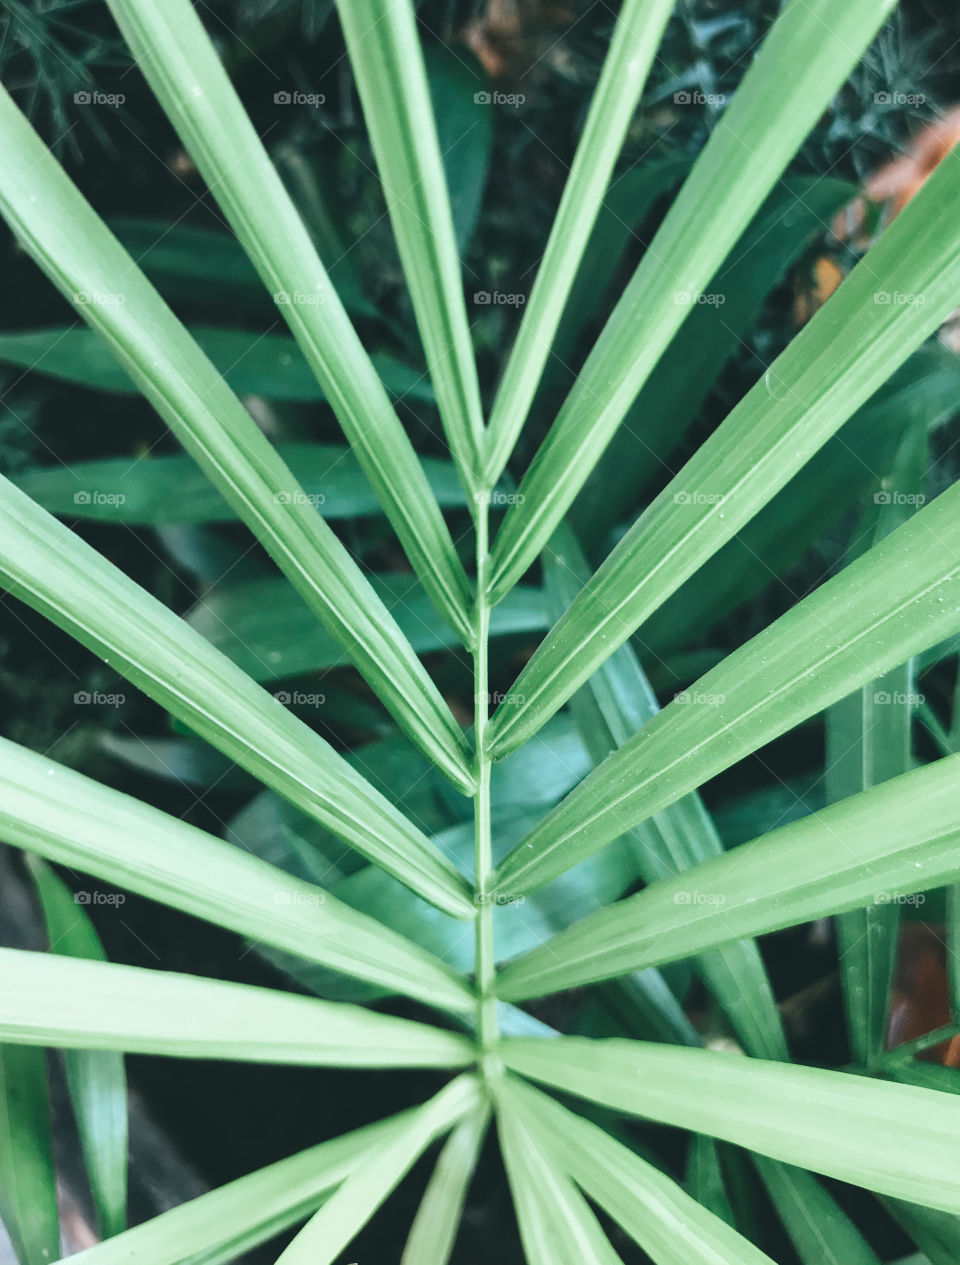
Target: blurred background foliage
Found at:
x=72, y=428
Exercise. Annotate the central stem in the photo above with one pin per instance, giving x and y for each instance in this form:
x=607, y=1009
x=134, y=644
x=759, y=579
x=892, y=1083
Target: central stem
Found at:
x=483, y=863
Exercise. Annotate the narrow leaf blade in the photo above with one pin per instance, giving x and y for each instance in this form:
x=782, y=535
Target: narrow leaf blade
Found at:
x=172, y=49
x=673, y=1228
x=747, y=152
x=434, y=1230
x=51, y=569
x=61, y=815
x=222, y=1224
x=849, y=349
x=901, y=597
x=336, y=1224
x=83, y=1005
x=96, y=1078
x=893, y=1139
x=387, y=61
x=639, y=27
x=617, y=701
x=28, y=1199
x=830, y=861
x=64, y=235
x=556, y=1223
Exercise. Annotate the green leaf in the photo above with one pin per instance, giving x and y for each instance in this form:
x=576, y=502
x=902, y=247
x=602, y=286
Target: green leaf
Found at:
x=642, y=1005
x=28, y=1199
x=670, y=401
x=615, y=703
x=434, y=1230
x=894, y=1139
x=853, y=344
x=250, y=361
x=173, y=51
x=703, y=1178
x=464, y=133
x=902, y=596
x=62, y=232
x=627, y=203
x=171, y=489
x=923, y=392
x=187, y=761
x=834, y=860
x=81, y=1005
x=673, y=1228
x=54, y=571
x=937, y=1233
x=945, y=1080
x=346, y=1212
x=180, y=259
x=224, y=1224
x=631, y=52
x=747, y=151
x=73, y=821
x=265, y=628
x=96, y=1078
x=820, y=1231
x=556, y=1223
x=869, y=741
x=387, y=61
